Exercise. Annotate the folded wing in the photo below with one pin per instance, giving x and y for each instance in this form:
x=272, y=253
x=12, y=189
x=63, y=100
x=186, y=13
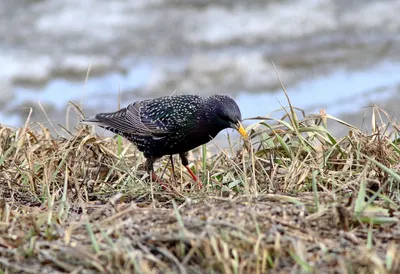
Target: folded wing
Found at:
x=130, y=120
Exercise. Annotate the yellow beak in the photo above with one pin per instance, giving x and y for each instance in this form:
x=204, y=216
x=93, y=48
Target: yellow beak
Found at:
x=241, y=130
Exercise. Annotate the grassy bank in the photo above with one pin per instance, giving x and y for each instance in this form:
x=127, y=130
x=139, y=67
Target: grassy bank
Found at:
x=294, y=199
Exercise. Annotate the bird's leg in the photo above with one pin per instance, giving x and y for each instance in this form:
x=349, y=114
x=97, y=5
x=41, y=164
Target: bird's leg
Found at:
x=172, y=167
x=172, y=163
x=185, y=162
x=149, y=168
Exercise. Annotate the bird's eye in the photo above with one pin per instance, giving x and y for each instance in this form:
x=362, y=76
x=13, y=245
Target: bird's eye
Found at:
x=224, y=117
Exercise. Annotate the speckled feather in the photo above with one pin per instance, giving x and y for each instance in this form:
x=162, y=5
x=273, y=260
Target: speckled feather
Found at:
x=170, y=125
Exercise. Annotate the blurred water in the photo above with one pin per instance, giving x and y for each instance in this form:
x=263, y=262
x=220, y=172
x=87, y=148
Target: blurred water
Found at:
x=332, y=54
x=330, y=92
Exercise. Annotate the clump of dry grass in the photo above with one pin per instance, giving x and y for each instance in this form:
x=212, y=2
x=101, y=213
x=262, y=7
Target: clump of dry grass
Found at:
x=294, y=199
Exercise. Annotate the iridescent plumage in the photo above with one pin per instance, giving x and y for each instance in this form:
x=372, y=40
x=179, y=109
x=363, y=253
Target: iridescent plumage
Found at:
x=171, y=124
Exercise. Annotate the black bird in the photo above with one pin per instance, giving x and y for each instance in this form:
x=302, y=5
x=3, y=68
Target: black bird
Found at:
x=172, y=124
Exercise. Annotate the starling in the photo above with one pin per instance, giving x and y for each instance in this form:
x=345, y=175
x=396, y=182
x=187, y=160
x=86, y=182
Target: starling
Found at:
x=172, y=124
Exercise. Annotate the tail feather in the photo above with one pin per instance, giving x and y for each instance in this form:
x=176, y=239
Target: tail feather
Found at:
x=92, y=120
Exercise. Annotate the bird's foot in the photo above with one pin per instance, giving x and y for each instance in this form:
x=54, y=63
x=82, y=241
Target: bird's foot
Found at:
x=194, y=177
x=155, y=178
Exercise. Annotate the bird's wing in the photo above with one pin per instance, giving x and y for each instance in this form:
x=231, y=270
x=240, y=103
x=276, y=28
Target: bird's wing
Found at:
x=128, y=120
x=169, y=114
x=146, y=121
x=157, y=118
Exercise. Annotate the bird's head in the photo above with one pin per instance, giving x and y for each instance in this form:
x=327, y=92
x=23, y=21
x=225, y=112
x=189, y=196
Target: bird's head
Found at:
x=227, y=113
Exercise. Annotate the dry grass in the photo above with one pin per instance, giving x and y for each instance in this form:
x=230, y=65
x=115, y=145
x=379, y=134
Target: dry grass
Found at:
x=296, y=200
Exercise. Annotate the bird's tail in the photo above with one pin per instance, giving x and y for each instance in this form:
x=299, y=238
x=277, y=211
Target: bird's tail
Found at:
x=92, y=120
